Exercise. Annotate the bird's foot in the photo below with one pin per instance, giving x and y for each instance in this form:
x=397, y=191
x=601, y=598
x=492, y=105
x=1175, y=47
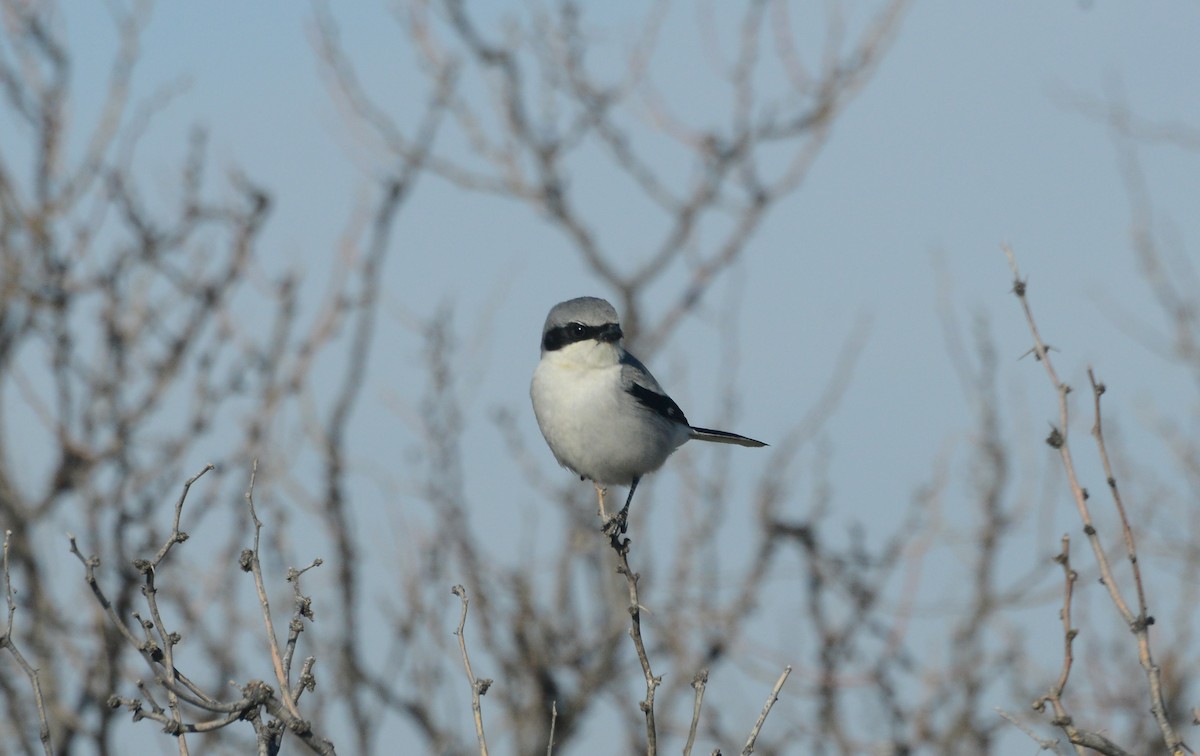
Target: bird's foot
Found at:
x=617, y=524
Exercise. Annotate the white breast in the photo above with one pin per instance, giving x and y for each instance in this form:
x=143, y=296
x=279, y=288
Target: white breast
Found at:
x=591, y=424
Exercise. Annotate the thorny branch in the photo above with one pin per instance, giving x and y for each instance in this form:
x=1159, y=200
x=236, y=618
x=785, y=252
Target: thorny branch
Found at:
x=1059, y=440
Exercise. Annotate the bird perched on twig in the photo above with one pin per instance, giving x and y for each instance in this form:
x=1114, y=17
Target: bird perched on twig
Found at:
x=602, y=413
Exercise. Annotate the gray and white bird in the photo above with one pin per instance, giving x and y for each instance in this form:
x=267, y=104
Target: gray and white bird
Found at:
x=602, y=413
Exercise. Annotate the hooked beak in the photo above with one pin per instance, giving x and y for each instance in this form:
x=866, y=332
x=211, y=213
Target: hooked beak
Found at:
x=610, y=334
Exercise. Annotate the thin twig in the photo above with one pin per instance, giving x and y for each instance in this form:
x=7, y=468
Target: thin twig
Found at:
x=190, y=692
x=1043, y=743
x=1054, y=697
x=167, y=640
x=1058, y=441
x=698, y=683
x=250, y=562
x=6, y=641
x=178, y=536
x=771, y=699
x=553, y=721
x=478, y=687
x=303, y=611
x=621, y=546
x=1139, y=625
x=89, y=575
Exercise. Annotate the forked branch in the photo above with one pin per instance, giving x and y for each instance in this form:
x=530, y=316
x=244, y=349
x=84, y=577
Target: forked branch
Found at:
x=1059, y=439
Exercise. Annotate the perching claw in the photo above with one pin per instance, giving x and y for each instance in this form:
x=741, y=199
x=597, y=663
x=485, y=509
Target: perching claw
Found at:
x=620, y=522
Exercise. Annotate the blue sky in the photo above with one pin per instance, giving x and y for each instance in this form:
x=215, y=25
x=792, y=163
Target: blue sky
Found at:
x=965, y=139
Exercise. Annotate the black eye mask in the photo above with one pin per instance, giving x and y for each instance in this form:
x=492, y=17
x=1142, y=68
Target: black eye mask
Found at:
x=561, y=336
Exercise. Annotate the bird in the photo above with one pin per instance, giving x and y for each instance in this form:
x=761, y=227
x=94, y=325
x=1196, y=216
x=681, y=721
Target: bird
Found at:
x=602, y=413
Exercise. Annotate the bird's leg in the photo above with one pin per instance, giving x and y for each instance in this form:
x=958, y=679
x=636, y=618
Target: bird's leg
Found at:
x=620, y=522
x=600, y=492
x=624, y=515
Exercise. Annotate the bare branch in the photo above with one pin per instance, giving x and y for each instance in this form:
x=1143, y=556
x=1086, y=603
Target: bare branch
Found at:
x=478, y=687
x=7, y=641
x=699, y=682
x=621, y=547
x=1061, y=718
x=251, y=563
x=762, y=718
x=157, y=651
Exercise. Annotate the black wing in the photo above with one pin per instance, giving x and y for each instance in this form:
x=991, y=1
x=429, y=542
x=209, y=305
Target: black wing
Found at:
x=660, y=404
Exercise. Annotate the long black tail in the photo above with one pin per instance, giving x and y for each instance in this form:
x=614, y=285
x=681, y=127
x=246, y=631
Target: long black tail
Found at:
x=723, y=437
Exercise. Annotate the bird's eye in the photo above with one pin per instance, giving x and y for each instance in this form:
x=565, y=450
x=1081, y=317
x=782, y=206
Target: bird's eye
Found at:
x=577, y=329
